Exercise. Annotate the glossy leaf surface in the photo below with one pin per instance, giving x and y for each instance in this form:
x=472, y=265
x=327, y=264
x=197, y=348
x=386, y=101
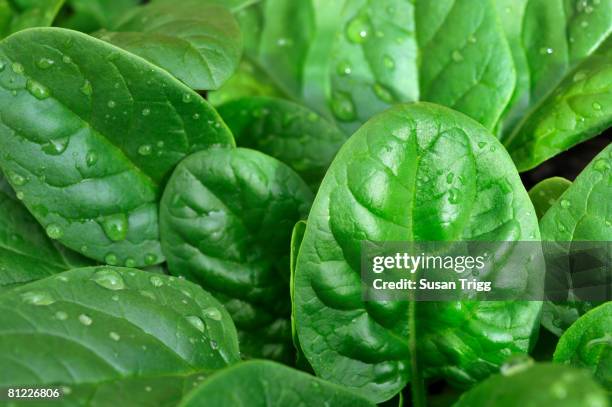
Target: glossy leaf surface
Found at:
x=88, y=136
x=545, y=193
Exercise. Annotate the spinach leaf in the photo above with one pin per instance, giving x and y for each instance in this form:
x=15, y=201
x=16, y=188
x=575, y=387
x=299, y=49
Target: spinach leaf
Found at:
x=581, y=213
x=289, y=132
x=545, y=193
x=16, y=15
x=540, y=385
x=88, y=135
x=199, y=43
x=226, y=219
x=256, y=383
x=351, y=59
x=588, y=344
x=26, y=253
x=417, y=172
x=105, y=323
x=561, y=53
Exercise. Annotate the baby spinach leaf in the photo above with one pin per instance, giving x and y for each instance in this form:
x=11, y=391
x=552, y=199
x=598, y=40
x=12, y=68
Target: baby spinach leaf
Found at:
x=93, y=325
x=226, y=219
x=16, y=15
x=256, y=383
x=88, y=135
x=289, y=132
x=26, y=253
x=561, y=51
x=545, y=193
x=581, y=213
x=540, y=385
x=417, y=172
x=588, y=344
x=352, y=59
x=197, y=42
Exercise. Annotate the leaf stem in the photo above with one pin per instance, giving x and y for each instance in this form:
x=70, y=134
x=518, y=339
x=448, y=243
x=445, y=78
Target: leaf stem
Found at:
x=417, y=384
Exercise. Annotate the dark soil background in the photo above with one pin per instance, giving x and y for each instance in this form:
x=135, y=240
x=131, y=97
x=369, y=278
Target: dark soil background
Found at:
x=570, y=163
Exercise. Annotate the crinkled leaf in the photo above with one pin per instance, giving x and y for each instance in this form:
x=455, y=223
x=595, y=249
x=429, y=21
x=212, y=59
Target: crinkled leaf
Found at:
x=266, y=383
x=588, y=344
x=199, y=43
x=417, y=172
x=539, y=385
x=226, y=220
x=581, y=213
x=95, y=325
x=88, y=135
x=545, y=193
x=289, y=132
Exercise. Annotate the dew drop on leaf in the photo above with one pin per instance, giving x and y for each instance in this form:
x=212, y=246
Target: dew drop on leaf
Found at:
x=596, y=106
x=114, y=336
x=54, y=231
x=61, y=316
x=187, y=98
x=37, y=298
x=546, y=51
x=37, y=90
x=111, y=104
x=342, y=106
x=146, y=112
x=196, y=322
x=382, y=93
x=85, y=320
x=388, y=62
x=565, y=203
x=111, y=259
x=45, y=63
x=156, y=281
x=108, y=278
x=515, y=364
x=130, y=262
x=86, y=89
x=115, y=226
x=457, y=56
x=212, y=313
x=357, y=30
x=145, y=149
x=150, y=259
x=17, y=179
x=91, y=158
x=17, y=68
x=344, y=68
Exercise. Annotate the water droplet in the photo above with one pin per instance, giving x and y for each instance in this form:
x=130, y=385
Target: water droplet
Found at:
x=342, y=106
x=91, y=158
x=344, y=68
x=457, y=56
x=45, y=63
x=357, y=30
x=450, y=177
x=596, y=106
x=482, y=144
x=17, y=179
x=54, y=231
x=388, y=62
x=453, y=196
x=86, y=89
x=214, y=344
x=148, y=388
x=150, y=259
x=472, y=39
x=130, y=262
x=115, y=226
x=114, y=336
x=17, y=68
x=56, y=146
x=212, y=313
x=145, y=149
x=560, y=227
x=196, y=322
x=37, y=90
x=111, y=104
x=283, y=42
x=146, y=112
x=156, y=281
x=187, y=98
x=61, y=316
x=85, y=320
x=601, y=165
x=37, y=298
x=20, y=195
x=584, y=24
x=565, y=203
x=66, y=59
x=516, y=364
x=108, y=278
x=580, y=75
x=160, y=144
x=382, y=93
x=196, y=116
x=147, y=294
x=111, y=259
x=546, y=51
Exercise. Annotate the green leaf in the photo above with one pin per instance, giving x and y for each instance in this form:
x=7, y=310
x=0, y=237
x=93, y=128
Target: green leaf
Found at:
x=563, y=61
x=581, y=213
x=199, y=43
x=16, y=15
x=88, y=136
x=341, y=57
x=417, y=172
x=26, y=253
x=284, y=130
x=545, y=193
x=226, y=219
x=540, y=385
x=94, y=325
x=266, y=383
x=588, y=344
